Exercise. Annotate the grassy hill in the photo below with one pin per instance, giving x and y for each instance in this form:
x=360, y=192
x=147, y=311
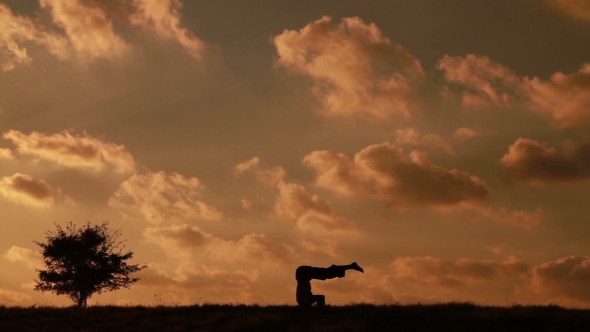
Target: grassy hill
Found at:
x=354, y=317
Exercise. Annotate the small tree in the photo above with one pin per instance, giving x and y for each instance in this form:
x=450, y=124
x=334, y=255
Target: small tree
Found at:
x=84, y=261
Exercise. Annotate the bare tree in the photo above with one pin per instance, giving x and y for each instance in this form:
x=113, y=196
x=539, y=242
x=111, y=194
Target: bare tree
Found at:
x=83, y=261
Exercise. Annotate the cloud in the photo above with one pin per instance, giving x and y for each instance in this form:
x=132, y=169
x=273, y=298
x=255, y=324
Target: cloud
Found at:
x=485, y=79
x=326, y=246
x=245, y=166
x=344, y=62
x=16, y=30
x=465, y=133
x=578, y=9
x=379, y=295
x=198, y=277
x=87, y=27
x=313, y=214
x=74, y=151
x=564, y=98
x=13, y=298
x=23, y=189
x=270, y=176
x=432, y=271
x=524, y=219
x=6, y=154
x=565, y=277
x=531, y=162
x=412, y=137
x=246, y=204
x=163, y=17
x=159, y=197
x=26, y=256
x=383, y=171
x=254, y=246
x=181, y=236
x=183, y=241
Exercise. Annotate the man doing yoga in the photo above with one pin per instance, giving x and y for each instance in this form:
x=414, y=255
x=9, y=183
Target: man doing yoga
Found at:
x=304, y=274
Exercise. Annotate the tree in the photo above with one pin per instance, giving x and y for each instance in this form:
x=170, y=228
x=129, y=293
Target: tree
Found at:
x=84, y=261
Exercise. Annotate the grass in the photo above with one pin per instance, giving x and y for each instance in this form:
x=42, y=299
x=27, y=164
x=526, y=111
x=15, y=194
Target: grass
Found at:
x=353, y=317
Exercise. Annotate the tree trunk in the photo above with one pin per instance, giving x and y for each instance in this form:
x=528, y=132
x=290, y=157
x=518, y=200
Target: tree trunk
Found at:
x=82, y=301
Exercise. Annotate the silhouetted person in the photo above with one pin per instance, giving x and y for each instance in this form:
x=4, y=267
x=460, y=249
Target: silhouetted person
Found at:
x=304, y=274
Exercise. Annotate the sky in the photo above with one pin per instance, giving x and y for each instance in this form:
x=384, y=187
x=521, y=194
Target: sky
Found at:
x=442, y=145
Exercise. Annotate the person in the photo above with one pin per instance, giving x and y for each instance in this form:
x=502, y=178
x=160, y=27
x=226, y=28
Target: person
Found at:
x=304, y=274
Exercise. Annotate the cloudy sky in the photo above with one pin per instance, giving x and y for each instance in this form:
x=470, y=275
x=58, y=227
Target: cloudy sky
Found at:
x=443, y=145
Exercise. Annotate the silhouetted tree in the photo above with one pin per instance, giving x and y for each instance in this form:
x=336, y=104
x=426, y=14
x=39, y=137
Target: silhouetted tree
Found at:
x=84, y=261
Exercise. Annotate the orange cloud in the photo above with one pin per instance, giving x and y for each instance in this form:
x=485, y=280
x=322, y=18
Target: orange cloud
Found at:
x=271, y=176
x=563, y=278
x=412, y=137
x=23, y=189
x=87, y=27
x=26, y=256
x=465, y=133
x=382, y=171
x=195, y=277
x=246, y=204
x=378, y=294
x=326, y=246
x=16, y=30
x=159, y=197
x=578, y=9
x=163, y=17
x=13, y=298
x=181, y=236
x=485, y=79
x=254, y=246
x=312, y=214
x=529, y=161
x=184, y=241
x=89, y=31
x=6, y=154
x=524, y=219
x=431, y=271
x=343, y=61
x=245, y=166
x=84, y=152
x=564, y=98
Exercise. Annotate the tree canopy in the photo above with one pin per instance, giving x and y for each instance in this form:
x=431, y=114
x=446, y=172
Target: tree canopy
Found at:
x=83, y=261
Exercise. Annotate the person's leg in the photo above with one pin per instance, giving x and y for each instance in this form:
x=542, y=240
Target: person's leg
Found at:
x=304, y=300
x=320, y=273
x=338, y=271
x=319, y=300
x=352, y=266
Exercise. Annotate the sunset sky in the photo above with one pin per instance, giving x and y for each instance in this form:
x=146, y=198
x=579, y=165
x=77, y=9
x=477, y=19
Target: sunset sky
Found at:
x=442, y=145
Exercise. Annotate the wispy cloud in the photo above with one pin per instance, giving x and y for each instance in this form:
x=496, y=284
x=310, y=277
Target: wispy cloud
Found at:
x=529, y=161
x=163, y=198
x=75, y=151
x=23, y=189
x=384, y=172
x=351, y=85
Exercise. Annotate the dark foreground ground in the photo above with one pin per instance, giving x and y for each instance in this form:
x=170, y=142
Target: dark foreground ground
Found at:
x=355, y=317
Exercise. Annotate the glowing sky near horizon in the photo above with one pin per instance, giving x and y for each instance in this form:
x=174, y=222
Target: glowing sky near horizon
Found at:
x=443, y=145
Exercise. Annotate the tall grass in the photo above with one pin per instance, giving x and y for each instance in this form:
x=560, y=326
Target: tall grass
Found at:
x=240, y=317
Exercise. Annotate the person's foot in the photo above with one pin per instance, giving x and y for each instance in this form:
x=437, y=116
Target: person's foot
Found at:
x=355, y=266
